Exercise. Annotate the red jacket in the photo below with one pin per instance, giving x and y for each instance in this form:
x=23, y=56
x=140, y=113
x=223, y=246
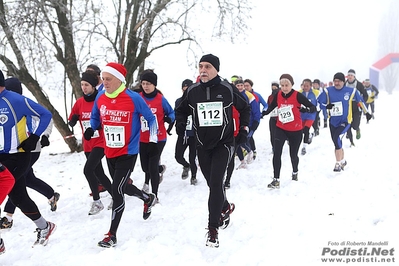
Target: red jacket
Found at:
x=83, y=109
x=289, y=116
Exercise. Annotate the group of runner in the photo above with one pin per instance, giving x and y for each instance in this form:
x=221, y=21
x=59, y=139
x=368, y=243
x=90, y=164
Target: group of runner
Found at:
x=215, y=118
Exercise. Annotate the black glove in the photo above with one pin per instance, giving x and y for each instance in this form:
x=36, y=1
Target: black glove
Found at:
x=180, y=129
x=152, y=149
x=167, y=119
x=329, y=106
x=263, y=113
x=304, y=110
x=170, y=129
x=368, y=116
x=73, y=120
x=30, y=143
x=255, y=125
x=44, y=141
x=242, y=136
x=88, y=133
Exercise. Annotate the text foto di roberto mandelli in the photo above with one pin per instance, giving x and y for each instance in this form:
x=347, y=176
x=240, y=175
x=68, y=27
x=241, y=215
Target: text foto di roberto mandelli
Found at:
x=355, y=243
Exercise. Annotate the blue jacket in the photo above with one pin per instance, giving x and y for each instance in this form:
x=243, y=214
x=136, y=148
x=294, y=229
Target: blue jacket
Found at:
x=14, y=110
x=255, y=109
x=313, y=99
x=343, y=100
x=260, y=100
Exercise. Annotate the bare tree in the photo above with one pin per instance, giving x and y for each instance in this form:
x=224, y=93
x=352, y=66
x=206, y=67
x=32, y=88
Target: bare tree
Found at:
x=26, y=78
x=389, y=43
x=47, y=33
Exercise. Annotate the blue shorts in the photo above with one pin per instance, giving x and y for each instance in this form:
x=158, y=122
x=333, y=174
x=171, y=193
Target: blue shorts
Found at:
x=337, y=133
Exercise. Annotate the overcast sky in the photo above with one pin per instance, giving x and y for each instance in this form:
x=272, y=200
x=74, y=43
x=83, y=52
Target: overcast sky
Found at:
x=308, y=39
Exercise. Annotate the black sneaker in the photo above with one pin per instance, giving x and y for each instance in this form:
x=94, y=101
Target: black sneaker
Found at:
x=193, y=180
x=274, y=184
x=226, y=185
x=295, y=176
x=225, y=216
x=53, y=202
x=44, y=234
x=184, y=175
x=5, y=224
x=2, y=247
x=254, y=157
x=148, y=205
x=108, y=241
x=212, y=238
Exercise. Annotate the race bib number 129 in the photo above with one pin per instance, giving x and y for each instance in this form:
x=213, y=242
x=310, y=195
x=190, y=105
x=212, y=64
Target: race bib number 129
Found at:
x=285, y=114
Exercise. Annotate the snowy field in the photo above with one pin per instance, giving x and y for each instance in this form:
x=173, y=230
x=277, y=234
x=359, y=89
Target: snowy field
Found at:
x=289, y=226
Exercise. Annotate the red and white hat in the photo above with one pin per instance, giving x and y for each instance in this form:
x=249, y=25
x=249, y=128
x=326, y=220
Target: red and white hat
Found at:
x=116, y=69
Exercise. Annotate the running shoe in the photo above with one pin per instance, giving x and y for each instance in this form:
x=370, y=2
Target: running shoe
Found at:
x=108, y=241
x=212, y=238
x=44, y=234
x=274, y=184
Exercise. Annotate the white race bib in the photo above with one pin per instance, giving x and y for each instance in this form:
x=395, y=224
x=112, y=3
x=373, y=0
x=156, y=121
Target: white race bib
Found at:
x=210, y=114
x=285, y=114
x=86, y=125
x=189, y=124
x=144, y=123
x=114, y=136
x=337, y=109
x=274, y=112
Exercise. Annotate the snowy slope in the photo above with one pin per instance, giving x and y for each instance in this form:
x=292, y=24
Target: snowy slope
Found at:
x=289, y=226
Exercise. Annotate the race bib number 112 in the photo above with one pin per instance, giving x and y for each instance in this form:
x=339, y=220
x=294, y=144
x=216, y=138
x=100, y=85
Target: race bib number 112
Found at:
x=210, y=114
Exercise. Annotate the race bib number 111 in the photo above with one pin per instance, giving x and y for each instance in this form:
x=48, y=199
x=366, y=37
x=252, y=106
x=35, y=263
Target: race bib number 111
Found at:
x=114, y=136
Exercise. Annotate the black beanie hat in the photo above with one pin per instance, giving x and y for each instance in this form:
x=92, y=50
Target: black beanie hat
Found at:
x=352, y=72
x=13, y=84
x=1, y=79
x=186, y=83
x=91, y=77
x=150, y=77
x=316, y=81
x=289, y=77
x=339, y=76
x=213, y=60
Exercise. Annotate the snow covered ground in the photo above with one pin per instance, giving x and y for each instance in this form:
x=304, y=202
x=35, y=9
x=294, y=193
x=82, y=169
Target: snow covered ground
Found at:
x=289, y=226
